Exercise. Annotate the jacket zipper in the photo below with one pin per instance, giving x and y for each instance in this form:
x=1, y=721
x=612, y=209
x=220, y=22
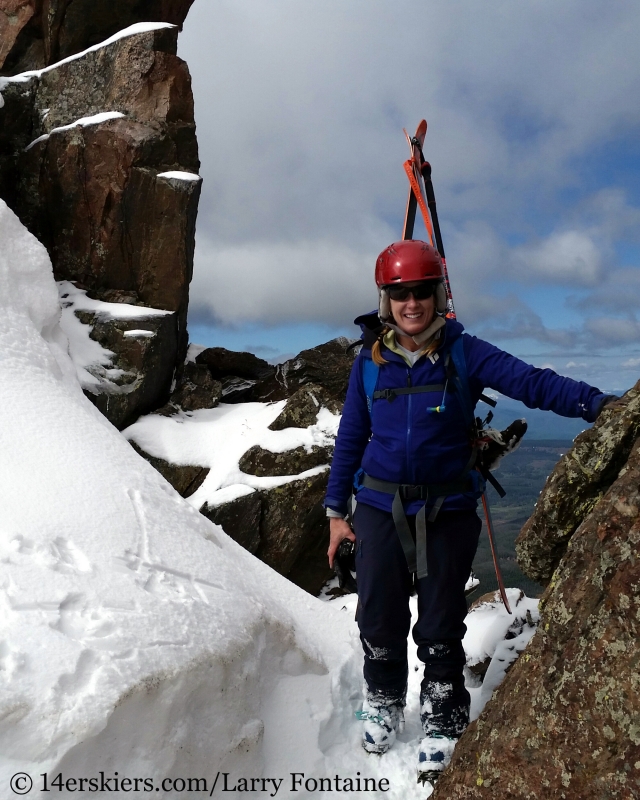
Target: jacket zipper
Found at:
x=408, y=443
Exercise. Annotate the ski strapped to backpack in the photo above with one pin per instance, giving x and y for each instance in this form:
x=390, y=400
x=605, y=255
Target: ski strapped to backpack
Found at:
x=472, y=480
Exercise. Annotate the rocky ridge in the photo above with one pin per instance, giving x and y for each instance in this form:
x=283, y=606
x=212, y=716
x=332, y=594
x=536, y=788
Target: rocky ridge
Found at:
x=285, y=526
x=565, y=723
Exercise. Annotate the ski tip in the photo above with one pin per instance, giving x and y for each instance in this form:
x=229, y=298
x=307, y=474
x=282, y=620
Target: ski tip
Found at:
x=421, y=130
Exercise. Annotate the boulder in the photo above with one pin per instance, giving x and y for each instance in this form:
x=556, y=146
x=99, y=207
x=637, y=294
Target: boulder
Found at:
x=285, y=527
x=141, y=369
x=565, y=723
x=113, y=198
x=37, y=33
x=294, y=532
x=328, y=365
x=263, y=463
x=224, y=363
x=580, y=479
x=302, y=408
x=240, y=519
x=185, y=480
x=196, y=389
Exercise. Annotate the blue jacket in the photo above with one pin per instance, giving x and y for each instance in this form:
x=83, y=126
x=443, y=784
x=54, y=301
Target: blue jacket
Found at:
x=402, y=442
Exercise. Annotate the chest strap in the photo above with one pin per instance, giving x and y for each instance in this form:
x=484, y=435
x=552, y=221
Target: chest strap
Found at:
x=416, y=552
x=391, y=394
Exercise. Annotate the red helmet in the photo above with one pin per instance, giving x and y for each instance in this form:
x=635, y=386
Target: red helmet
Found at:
x=410, y=260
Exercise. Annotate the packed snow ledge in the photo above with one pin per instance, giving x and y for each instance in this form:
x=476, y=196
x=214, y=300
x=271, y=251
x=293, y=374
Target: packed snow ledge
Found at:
x=137, y=637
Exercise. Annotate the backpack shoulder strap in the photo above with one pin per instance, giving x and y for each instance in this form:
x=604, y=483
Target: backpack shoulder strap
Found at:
x=370, y=372
x=461, y=380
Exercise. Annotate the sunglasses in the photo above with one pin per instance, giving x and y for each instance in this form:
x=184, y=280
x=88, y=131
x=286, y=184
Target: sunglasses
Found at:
x=420, y=292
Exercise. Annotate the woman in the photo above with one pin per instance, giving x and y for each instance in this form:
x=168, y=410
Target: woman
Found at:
x=413, y=454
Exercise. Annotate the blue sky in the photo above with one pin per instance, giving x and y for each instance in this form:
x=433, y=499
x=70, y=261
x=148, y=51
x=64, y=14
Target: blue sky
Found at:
x=534, y=141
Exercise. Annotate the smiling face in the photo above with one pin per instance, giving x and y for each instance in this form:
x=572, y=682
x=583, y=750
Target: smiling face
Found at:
x=411, y=315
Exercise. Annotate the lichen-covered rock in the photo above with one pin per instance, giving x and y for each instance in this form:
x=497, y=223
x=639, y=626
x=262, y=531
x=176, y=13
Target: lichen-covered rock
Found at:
x=302, y=408
x=328, y=365
x=37, y=33
x=240, y=519
x=113, y=200
x=576, y=484
x=566, y=721
x=184, y=479
x=261, y=462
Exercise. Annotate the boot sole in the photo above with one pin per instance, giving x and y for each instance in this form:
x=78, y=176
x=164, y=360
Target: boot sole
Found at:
x=428, y=776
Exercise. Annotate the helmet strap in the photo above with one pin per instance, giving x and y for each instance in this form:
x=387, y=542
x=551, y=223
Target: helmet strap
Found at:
x=384, y=305
x=441, y=298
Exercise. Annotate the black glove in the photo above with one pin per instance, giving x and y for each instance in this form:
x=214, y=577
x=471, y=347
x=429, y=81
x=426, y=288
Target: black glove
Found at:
x=497, y=444
x=608, y=398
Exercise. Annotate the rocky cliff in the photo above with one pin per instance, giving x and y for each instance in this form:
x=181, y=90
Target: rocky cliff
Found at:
x=37, y=33
x=99, y=159
x=566, y=721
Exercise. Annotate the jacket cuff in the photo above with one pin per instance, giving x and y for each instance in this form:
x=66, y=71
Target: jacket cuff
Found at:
x=339, y=509
x=597, y=404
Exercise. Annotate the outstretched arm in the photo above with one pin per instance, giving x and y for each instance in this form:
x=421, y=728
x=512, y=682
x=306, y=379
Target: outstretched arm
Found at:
x=488, y=366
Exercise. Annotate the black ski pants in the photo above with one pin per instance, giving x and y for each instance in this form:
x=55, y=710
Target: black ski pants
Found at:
x=384, y=588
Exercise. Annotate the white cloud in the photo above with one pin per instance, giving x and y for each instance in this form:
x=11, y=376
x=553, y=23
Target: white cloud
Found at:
x=613, y=331
x=570, y=257
x=275, y=282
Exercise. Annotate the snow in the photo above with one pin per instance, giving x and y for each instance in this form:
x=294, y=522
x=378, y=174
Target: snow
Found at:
x=487, y=626
x=137, y=638
x=83, y=122
x=137, y=333
x=179, y=176
x=217, y=438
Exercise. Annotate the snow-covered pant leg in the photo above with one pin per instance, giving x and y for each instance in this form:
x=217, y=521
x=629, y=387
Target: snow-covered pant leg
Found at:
x=384, y=588
x=452, y=541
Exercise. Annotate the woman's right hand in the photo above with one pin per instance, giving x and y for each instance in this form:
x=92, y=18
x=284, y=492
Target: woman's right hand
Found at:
x=339, y=529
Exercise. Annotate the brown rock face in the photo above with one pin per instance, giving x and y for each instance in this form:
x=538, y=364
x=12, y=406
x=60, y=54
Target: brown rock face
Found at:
x=566, y=721
x=37, y=33
x=576, y=485
x=95, y=194
x=15, y=16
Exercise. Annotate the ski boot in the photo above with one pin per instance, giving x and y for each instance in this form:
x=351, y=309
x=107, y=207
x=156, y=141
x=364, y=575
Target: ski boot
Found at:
x=433, y=756
x=382, y=720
